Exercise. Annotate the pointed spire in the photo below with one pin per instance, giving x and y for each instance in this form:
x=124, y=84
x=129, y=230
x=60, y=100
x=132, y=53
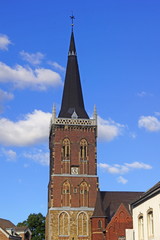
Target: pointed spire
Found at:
x=72, y=47
x=72, y=100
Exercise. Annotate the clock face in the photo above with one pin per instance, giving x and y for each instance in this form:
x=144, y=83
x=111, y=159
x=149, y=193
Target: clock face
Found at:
x=74, y=170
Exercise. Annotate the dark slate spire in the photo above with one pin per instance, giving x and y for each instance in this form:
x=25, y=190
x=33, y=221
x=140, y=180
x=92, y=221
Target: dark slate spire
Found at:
x=72, y=101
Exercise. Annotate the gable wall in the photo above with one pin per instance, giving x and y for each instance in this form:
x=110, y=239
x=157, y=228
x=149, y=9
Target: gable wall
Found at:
x=121, y=220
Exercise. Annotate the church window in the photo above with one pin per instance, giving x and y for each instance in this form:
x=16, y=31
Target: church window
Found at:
x=66, y=156
x=83, y=194
x=82, y=224
x=64, y=224
x=84, y=156
x=66, y=194
x=83, y=149
x=66, y=149
x=140, y=228
x=150, y=222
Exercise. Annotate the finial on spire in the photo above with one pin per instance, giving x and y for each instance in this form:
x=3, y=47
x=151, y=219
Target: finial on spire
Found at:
x=72, y=20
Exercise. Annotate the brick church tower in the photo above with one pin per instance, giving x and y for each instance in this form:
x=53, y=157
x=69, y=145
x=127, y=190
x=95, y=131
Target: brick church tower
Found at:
x=73, y=182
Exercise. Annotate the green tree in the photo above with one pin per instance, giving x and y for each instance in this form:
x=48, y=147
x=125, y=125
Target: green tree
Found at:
x=36, y=223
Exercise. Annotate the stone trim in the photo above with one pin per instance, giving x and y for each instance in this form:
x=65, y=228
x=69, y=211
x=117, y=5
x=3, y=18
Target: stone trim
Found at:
x=73, y=175
x=63, y=209
x=73, y=121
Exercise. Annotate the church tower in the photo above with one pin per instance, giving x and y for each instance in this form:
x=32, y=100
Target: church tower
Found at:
x=73, y=182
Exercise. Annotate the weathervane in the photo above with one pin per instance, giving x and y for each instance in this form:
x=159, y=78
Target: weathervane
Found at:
x=72, y=19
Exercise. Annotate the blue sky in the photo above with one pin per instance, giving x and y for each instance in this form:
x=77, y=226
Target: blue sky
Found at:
x=119, y=59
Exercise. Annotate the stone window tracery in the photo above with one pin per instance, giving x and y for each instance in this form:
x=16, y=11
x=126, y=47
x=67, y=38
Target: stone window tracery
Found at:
x=66, y=194
x=84, y=194
x=64, y=224
x=82, y=224
x=66, y=150
x=84, y=156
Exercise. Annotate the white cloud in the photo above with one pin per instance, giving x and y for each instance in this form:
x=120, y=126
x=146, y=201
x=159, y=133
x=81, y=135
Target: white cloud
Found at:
x=10, y=155
x=38, y=156
x=108, y=129
x=122, y=180
x=21, y=77
x=5, y=96
x=114, y=169
x=138, y=165
x=4, y=42
x=33, y=129
x=57, y=66
x=33, y=58
x=150, y=123
x=125, y=168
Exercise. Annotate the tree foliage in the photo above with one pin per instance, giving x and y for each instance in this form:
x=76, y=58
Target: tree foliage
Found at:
x=36, y=223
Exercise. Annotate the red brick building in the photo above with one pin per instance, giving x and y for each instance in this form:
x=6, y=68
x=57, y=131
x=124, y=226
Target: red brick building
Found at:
x=9, y=231
x=75, y=210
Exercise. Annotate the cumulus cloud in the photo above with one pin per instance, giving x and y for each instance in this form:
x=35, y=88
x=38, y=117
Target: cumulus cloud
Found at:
x=33, y=58
x=109, y=129
x=138, y=165
x=9, y=155
x=125, y=168
x=4, y=42
x=150, y=123
x=33, y=129
x=20, y=77
x=38, y=156
x=57, y=66
x=122, y=180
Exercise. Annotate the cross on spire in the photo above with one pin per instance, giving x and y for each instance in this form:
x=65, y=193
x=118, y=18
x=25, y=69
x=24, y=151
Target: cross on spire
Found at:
x=72, y=20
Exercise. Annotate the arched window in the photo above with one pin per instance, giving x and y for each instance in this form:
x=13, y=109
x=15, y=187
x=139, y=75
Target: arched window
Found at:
x=66, y=156
x=99, y=224
x=140, y=228
x=66, y=149
x=150, y=222
x=66, y=194
x=83, y=149
x=83, y=157
x=83, y=194
x=63, y=224
x=82, y=224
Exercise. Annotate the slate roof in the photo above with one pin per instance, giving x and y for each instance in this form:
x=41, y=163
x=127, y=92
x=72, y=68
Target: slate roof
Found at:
x=153, y=191
x=99, y=210
x=72, y=100
x=112, y=200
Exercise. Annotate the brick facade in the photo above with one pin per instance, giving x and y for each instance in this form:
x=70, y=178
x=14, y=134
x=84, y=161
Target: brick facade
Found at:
x=3, y=235
x=73, y=182
x=121, y=220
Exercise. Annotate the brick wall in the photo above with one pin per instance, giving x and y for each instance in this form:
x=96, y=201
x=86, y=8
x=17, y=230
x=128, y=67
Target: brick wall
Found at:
x=3, y=236
x=121, y=220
